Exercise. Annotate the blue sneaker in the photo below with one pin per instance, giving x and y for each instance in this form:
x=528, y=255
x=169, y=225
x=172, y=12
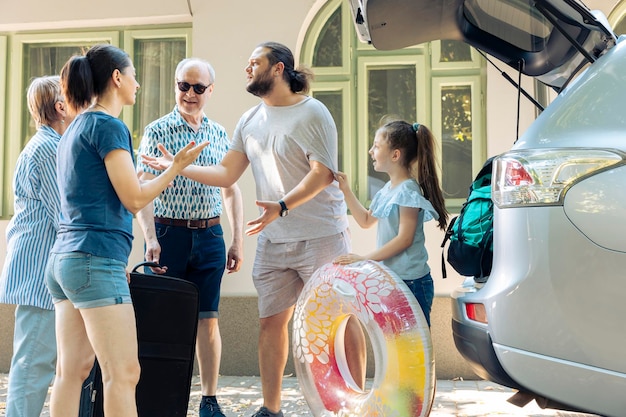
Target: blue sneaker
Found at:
x=264, y=412
x=209, y=408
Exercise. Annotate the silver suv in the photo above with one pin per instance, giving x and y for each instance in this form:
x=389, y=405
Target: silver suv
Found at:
x=548, y=321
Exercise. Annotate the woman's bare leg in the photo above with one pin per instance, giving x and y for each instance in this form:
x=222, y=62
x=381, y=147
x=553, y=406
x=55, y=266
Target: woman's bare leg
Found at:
x=113, y=335
x=74, y=360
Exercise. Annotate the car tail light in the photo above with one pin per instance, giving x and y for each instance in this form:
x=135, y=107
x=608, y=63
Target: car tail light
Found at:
x=542, y=176
x=476, y=312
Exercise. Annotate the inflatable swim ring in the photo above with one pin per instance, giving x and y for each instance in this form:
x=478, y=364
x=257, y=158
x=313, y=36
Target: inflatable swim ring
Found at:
x=404, y=379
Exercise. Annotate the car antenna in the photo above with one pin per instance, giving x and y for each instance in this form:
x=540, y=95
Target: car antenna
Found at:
x=509, y=79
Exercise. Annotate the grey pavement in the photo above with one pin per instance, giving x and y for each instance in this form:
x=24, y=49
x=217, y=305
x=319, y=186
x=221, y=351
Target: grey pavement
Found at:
x=241, y=396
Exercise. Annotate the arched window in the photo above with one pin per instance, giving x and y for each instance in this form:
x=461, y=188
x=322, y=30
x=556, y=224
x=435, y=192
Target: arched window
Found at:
x=440, y=84
x=617, y=18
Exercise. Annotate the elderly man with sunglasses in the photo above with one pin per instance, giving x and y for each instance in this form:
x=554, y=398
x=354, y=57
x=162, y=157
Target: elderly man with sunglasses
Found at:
x=182, y=228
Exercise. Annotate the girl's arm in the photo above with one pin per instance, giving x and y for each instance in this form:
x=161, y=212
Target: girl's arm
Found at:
x=362, y=215
x=404, y=239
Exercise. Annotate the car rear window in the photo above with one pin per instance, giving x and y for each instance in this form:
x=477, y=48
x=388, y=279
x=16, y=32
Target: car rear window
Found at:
x=514, y=21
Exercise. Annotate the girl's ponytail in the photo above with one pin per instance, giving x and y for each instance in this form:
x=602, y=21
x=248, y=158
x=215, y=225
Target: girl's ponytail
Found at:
x=417, y=144
x=425, y=171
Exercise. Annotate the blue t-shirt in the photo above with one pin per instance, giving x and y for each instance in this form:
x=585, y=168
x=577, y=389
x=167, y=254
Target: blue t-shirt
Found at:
x=412, y=263
x=93, y=219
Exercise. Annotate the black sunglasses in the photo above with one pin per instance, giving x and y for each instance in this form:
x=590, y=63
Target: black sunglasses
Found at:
x=184, y=86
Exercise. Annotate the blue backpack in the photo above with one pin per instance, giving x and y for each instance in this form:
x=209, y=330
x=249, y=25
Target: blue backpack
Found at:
x=471, y=232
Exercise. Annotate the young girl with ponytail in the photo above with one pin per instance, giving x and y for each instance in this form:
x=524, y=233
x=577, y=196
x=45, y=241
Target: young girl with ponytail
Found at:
x=412, y=196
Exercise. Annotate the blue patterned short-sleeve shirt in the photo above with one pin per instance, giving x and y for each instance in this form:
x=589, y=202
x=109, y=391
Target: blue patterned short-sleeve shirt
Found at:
x=186, y=199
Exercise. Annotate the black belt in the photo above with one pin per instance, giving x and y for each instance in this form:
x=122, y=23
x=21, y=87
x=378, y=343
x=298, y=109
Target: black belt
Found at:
x=189, y=224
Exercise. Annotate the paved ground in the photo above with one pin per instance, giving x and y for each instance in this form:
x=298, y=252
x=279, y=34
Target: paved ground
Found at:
x=241, y=396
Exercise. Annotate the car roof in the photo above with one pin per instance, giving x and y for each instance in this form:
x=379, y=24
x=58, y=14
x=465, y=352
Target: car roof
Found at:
x=552, y=39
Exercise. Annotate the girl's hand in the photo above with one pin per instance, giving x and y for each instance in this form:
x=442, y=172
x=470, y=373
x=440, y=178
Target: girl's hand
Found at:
x=342, y=179
x=348, y=259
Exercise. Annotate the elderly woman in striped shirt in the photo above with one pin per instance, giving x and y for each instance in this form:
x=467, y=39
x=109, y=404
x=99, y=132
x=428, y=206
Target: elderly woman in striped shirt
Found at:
x=30, y=235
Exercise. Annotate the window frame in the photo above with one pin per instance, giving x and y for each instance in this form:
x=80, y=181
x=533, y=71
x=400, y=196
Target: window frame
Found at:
x=313, y=33
x=435, y=54
x=349, y=147
x=478, y=147
x=11, y=86
x=130, y=36
x=355, y=157
x=6, y=172
x=17, y=98
x=617, y=15
x=422, y=97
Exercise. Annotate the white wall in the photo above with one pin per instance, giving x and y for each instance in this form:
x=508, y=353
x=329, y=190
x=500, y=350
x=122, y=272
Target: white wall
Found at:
x=24, y=15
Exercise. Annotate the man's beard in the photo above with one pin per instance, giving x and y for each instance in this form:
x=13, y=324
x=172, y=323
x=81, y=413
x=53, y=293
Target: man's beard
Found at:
x=261, y=85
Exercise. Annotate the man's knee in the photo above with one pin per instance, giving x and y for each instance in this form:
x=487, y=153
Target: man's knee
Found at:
x=276, y=323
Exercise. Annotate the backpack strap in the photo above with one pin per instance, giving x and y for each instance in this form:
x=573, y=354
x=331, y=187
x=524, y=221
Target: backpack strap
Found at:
x=486, y=242
x=446, y=237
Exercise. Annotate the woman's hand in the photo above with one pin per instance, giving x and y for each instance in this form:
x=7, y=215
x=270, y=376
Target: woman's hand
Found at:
x=186, y=155
x=164, y=161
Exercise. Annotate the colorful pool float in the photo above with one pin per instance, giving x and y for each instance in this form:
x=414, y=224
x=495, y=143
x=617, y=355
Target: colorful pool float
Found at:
x=404, y=378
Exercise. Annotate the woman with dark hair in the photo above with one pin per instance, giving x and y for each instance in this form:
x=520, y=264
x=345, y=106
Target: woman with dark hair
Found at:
x=86, y=273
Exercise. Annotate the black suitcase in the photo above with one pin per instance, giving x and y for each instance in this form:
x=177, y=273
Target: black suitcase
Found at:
x=91, y=396
x=166, y=311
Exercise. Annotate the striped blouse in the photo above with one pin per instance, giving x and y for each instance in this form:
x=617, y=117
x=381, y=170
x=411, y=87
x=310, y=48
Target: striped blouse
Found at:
x=32, y=230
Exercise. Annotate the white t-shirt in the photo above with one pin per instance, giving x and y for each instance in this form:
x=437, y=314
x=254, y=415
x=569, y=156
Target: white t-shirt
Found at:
x=279, y=142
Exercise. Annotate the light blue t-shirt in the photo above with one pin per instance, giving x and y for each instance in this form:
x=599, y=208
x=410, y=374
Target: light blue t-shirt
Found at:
x=93, y=219
x=412, y=263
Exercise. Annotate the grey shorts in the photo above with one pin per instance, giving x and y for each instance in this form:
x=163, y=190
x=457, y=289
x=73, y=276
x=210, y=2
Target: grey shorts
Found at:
x=281, y=269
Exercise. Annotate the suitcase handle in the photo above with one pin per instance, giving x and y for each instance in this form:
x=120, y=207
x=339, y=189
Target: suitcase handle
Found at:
x=146, y=263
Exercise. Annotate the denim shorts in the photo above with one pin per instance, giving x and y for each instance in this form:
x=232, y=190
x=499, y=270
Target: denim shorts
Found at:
x=424, y=290
x=86, y=280
x=198, y=256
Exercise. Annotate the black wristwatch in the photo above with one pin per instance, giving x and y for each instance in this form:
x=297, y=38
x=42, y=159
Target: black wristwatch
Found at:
x=284, y=211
